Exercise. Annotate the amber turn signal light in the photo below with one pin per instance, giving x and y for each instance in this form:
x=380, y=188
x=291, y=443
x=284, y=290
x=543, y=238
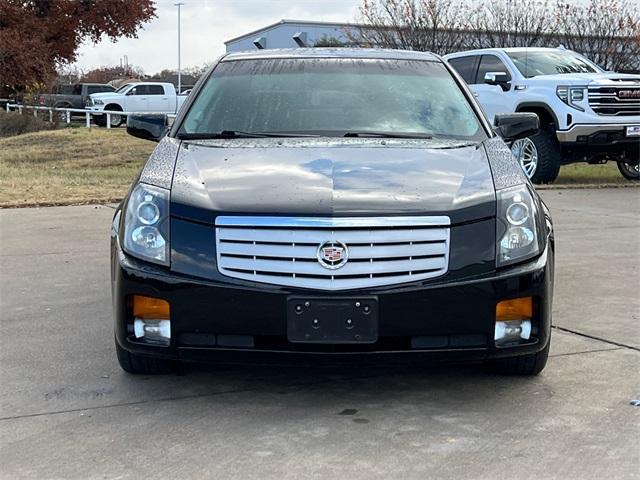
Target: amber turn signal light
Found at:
x=515, y=309
x=149, y=307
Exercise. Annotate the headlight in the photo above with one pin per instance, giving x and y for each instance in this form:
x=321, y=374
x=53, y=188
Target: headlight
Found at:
x=146, y=224
x=570, y=95
x=98, y=102
x=516, y=226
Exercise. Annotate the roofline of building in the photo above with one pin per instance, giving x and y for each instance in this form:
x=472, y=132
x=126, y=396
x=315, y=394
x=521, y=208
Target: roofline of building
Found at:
x=297, y=22
x=285, y=21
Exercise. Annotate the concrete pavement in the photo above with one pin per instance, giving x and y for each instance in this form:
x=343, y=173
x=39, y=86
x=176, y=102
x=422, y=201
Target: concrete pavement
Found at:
x=68, y=411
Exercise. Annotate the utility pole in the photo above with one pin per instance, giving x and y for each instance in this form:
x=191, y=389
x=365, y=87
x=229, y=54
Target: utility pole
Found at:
x=179, y=4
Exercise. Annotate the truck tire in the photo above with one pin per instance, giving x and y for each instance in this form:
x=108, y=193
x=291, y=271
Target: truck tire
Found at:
x=142, y=364
x=630, y=170
x=62, y=116
x=116, y=120
x=539, y=155
x=525, y=365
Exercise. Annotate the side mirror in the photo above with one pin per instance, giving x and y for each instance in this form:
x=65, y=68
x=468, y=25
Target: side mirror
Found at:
x=147, y=127
x=512, y=126
x=497, y=78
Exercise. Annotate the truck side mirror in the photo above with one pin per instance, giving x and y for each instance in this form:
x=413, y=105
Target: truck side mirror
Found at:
x=148, y=127
x=498, y=78
x=512, y=126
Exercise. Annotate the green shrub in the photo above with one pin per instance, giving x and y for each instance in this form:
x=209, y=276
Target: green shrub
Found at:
x=14, y=123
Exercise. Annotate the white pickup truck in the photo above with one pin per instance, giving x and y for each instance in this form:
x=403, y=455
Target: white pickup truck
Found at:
x=139, y=97
x=586, y=114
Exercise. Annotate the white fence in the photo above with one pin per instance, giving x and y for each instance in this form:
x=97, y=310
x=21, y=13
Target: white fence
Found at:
x=69, y=111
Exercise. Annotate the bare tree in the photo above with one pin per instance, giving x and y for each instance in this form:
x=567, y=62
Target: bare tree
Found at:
x=606, y=31
x=510, y=23
x=425, y=25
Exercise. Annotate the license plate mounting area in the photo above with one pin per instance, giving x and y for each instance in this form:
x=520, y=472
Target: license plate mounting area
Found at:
x=332, y=320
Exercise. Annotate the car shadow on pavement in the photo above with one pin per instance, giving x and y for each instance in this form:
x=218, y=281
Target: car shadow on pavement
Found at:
x=342, y=390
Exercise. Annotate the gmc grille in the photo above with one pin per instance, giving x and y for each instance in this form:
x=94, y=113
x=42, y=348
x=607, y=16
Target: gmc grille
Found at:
x=622, y=99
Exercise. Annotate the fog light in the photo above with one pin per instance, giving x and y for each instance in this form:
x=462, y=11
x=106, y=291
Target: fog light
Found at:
x=153, y=331
x=512, y=331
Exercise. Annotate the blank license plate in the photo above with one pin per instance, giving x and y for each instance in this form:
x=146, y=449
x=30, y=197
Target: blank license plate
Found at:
x=332, y=320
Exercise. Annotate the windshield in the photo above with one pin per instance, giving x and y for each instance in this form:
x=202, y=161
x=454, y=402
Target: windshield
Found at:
x=332, y=97
x=534, y=63
x=123, y=88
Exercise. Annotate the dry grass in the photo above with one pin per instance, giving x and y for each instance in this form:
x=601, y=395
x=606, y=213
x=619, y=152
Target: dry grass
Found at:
x=582, y=173
x=69, y=166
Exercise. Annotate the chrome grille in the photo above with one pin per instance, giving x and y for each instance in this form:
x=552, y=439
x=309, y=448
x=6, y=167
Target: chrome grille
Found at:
x=284, y=250
x=610, y=100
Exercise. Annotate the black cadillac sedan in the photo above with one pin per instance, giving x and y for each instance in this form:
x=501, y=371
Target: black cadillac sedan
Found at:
x=340, y=204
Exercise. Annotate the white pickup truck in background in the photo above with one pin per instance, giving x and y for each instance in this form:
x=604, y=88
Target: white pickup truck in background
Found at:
x=139, y=97
x=586, y=114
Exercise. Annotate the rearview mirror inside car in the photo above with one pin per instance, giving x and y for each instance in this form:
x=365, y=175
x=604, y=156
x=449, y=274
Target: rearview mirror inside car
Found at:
x=512, y=126
x=497, y=78
x=147, y=127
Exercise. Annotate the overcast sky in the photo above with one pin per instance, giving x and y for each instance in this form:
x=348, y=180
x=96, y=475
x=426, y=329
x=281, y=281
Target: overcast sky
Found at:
x=206, y=24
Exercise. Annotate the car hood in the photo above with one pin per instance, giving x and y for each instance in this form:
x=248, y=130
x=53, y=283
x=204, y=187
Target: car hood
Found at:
x=329, y=177
x=103, y=95
x=584, y=78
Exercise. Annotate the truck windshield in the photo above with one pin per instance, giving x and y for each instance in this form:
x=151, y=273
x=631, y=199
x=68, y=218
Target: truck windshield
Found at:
x=534, y=63
x=333, y=97
x=122, y=88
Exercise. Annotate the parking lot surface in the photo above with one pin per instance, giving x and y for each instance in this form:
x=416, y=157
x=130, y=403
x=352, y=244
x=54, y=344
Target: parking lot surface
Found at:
x=68, y=411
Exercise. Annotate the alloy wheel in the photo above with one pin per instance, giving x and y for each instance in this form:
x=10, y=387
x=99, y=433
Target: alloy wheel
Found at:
x=116, y=120
x=526, y=153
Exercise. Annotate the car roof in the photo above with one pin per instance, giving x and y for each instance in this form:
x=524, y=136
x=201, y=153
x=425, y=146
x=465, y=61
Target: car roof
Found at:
x=375, y=53
x=506, y=49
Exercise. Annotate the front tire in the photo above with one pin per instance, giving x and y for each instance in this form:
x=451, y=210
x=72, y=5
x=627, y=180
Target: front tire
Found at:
x=630, y=170
x=539, y=156
x=116, y=120
x=525, y=365
x=143, y=364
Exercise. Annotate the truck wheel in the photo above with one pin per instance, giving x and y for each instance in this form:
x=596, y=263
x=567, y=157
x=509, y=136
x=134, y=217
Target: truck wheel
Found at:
x=630, y=170
x=62, y=116
x=525, y=365
x=116, y=120
x=539, y=156
x=142, y=364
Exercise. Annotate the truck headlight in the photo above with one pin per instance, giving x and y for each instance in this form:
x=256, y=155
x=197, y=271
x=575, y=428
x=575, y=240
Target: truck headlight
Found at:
x=516, y=226
x=146, y=224
x=570, y=95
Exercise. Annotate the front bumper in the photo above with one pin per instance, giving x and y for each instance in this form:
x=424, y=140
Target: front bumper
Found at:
x=95, y=108
x=454, y=319
x=598, y=143
x=598, y=133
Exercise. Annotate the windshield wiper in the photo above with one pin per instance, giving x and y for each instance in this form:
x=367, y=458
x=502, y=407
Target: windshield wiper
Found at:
x=366, y=133
x=237, y=134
